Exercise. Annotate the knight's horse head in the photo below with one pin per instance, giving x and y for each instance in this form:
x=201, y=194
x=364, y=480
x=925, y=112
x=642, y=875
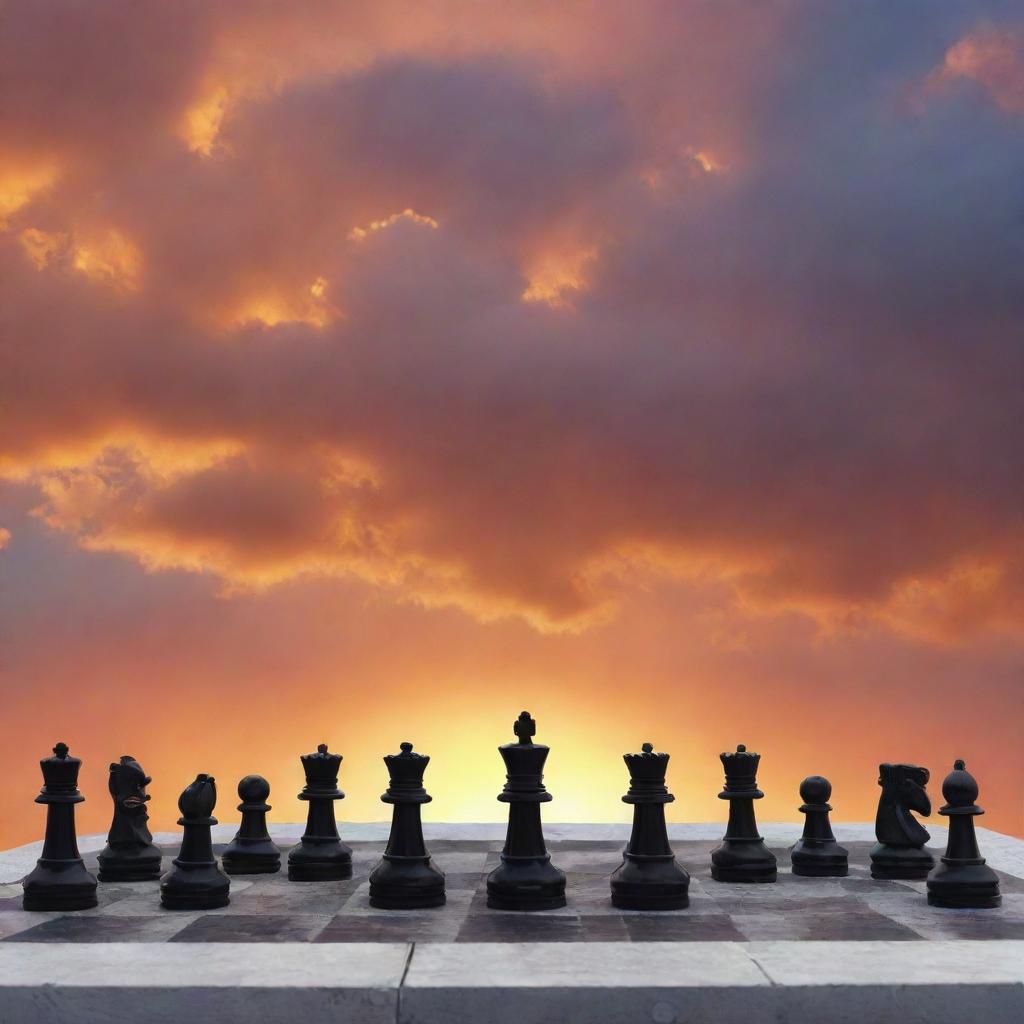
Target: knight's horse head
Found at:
x=911, y=789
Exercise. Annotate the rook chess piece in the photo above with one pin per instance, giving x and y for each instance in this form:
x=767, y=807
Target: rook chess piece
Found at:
x=900, y=851
x=963, y=879
x=526, y=879
x=252, y=851
x=406, y=879
x=320, y=855
x=130, y=855
x=649, y=877
x=59, y=880
x=195, y=882
x=816, y=853
x=742, y=857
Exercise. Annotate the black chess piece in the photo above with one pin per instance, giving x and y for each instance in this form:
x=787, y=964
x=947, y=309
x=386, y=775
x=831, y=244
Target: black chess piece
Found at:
x=816, y=853
x=963, y=879
x=406, y=879
x=59, y=880
x=526, y=879
x=742, y=857
x=900, y=851
x=649, y=877
x=252, y=851
x=320, y=855
x=195, y=882
x=130, y=854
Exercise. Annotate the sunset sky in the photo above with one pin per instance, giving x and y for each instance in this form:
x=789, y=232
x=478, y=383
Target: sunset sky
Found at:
x=371, y=372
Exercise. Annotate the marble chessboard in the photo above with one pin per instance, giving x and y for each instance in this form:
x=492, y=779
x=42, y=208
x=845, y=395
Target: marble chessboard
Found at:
x=845, y=946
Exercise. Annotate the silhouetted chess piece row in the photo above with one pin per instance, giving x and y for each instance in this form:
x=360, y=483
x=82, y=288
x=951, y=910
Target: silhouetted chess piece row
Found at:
x=649, y=877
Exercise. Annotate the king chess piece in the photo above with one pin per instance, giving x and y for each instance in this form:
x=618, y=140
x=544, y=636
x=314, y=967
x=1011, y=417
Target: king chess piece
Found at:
x=130, y=854
x=900, y=851
x=406, y=879
x=649, y=877
x=963, y=879
x=59, y=880
x=526, y=879
x=252, y=851
x=320, y=855
x=817, y=854
x=195, y=882
x=742, y=857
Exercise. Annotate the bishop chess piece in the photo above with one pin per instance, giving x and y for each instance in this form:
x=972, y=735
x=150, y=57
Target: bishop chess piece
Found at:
x=320, y=855
x=130, y=855
x=195, y=882
x=526, y=879
x=963, y=879
x=406, y=879
x=816, y=853
x=59, y=880
x=252, y=851
x=900, y=851
x=649, y=877
x=742, y=857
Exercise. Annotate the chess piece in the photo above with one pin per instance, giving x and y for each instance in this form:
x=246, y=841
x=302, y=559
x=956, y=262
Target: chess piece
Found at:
x=742, y=857
x=649, y=877
x=816, y=853
x=963, y=879
x=526, y=879
x=195, y=882
x=320, y=855
x=59, y=880
x=406, y=879
x=900, y=851
x=130, y=854
x=252, y=851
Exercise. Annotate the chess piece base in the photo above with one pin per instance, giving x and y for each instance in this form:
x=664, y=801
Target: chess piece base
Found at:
x=397, y=898
x=195, y=886
x=320, y=862
x=906, y=863
x=59, y=885
x=143, y=866
x=655, y=883
x=819, y=860
x=962, y=886
x=406, y=883
x=533, y=884
x=742, y=860
x=67, y=898
x=251, y=864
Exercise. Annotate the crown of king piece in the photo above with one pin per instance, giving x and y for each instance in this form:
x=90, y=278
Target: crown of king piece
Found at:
x=740, y=765
x=407, y=766
x=648, y=765
x=60, y=772
x=321, y=766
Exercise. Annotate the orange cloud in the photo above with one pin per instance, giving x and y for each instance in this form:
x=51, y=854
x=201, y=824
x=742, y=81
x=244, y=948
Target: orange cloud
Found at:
x=993, y=57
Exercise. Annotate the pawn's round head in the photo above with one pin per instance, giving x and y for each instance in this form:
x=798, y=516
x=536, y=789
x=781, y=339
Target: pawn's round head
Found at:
x=253, y=789
x=959, y=787
x=815, y=789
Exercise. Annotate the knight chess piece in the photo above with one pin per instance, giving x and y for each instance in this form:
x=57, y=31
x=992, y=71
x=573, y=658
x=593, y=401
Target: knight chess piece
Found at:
x=526, y=879
x=130, y=854
x=59, y=880
x=252, y=851
x=406, y=879
x=742, y=857
x=816, y=853
x=900, y=851
x=962, y=879
x=649, y=877
x=196, y=882
x=320, y=855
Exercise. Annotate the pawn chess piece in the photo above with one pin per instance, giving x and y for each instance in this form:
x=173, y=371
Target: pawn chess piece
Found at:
x=649, y=877
x=900, y=851
x=252, y=851
x=526, y=879
x=406, y=879
x=742, y=857
x=59, y=880
x=195, y=882
x=130, y=854
x=963, y=879
x=320, y=855
x=817, y=854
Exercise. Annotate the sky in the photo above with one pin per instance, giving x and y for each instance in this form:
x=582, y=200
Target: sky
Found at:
x=371, y=372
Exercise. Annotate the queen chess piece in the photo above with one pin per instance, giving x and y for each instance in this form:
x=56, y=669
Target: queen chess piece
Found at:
x=320, y=855
x=405, y=879
x=649, y=877
x=962, y=879
x=195, y=881
x=900, y=852
x=252, y=851
x=130, y=854
x=816, y=853
x=59, y=880
x=742, y=857
x=525, y=879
